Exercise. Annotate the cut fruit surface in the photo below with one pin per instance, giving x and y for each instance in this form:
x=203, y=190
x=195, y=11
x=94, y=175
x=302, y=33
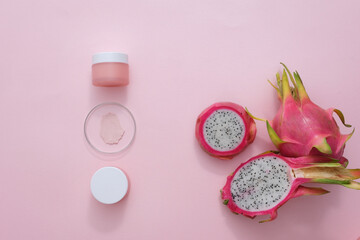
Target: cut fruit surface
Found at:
x=224, y=130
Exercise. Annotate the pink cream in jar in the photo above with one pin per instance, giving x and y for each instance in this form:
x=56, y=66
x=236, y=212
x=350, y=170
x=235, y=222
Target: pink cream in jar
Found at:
x=110, y=69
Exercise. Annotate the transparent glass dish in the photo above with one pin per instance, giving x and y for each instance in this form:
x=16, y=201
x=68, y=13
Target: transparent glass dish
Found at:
x=92, y=127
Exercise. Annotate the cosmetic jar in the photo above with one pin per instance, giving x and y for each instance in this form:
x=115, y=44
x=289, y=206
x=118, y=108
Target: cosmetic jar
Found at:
x=110, y=69
x=109, y=185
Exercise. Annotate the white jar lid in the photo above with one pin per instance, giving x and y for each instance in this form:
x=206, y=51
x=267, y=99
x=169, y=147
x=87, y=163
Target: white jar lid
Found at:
x=109, y=57
x=109, y=185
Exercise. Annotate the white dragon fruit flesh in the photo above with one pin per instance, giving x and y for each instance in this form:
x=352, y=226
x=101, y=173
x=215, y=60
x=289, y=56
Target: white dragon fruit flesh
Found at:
x=224, y=129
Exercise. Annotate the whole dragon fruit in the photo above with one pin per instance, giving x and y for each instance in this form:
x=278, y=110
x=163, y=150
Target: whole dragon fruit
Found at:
x=224, y=129
x=301, y=127
x=265, y=182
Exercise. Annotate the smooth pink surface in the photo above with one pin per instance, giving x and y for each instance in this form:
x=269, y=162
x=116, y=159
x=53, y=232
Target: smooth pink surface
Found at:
x=110, y=74
x=185, y=55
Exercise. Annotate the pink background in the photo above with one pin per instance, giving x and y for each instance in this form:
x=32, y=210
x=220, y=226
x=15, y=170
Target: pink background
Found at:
x=184, y=55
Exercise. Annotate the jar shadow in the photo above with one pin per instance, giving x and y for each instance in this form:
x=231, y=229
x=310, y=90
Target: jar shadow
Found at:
x=108, y=94
x=106, y=217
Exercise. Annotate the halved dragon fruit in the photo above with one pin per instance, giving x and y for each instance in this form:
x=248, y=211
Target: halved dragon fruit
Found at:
x=301, y=127
x=265, y=182
x=224, y=129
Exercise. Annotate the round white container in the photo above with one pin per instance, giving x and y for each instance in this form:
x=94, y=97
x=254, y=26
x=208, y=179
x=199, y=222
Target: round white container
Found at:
x=109, y=185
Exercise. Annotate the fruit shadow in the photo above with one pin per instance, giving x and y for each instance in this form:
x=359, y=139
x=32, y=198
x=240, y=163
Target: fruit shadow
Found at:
x=106, y=217
x=299, y=218
x=215, y=165
x=225, y=167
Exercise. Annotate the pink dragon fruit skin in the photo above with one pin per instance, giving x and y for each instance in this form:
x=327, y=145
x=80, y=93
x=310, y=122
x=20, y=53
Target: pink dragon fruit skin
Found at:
x=247, y=131
x=316, y=169
x=301, y=127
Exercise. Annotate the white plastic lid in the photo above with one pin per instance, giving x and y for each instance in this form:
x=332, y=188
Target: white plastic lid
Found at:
x=109, y=185
x=109, y=57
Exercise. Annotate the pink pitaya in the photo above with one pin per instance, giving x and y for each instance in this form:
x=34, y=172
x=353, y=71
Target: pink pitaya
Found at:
x=265, y=182
x=224, y=129
x=302, y=128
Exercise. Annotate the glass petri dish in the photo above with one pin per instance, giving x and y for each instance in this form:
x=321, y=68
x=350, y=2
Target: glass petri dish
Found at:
x=93, y=124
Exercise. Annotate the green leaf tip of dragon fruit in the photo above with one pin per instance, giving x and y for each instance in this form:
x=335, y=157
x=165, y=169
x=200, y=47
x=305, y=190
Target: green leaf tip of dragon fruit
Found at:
x=273, y=135
x=291, y=78
x=323, y=147
x=286, y=90
x=252, y=116
x=271, y=151
x=346, y=183
x=341, y=116
x=325, y=164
